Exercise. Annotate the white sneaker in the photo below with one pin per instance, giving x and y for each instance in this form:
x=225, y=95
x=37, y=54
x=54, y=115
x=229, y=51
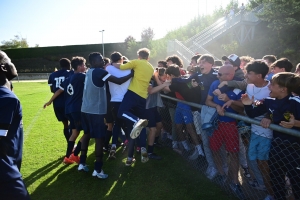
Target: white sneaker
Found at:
x=82, y=167
x=100, y=175
x=195, y=155
x=211, y=172
x=137, y=128
x=144, y=155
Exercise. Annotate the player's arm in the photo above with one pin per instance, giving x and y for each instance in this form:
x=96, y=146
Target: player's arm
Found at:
x=129, y=65
x=209, y=102
x=120, y=80
x=152, y=90
x=54, y=96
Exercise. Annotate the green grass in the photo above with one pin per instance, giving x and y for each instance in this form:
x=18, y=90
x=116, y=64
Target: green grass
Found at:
x=46, y=178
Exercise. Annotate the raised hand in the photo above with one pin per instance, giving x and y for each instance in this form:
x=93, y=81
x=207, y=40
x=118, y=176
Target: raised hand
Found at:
x=246, y=100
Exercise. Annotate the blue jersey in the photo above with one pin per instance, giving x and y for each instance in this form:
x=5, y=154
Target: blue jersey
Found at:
x=75, y=90
x=234, y=94
x=54, y=81
x=67, y=95
x=11, y=131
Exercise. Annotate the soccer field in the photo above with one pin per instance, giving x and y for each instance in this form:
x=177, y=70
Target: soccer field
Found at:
x=47, y=178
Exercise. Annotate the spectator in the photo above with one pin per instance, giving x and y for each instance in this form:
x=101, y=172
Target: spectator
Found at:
x=282, y=65
x=269, y=59
x=226, y=132
x=177, y=61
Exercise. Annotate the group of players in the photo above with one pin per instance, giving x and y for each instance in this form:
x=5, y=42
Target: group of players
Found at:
x=121, y=98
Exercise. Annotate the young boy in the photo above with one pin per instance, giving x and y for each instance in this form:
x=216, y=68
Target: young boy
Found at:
x=54, y=81
x=282, y=108
x=94, y=108
x=135, y=98
x=11, y=135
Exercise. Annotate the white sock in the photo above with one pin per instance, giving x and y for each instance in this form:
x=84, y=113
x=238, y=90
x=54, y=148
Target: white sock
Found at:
x=186, y=145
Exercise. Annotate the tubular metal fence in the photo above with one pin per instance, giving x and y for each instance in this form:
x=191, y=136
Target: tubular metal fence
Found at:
x=233, y=152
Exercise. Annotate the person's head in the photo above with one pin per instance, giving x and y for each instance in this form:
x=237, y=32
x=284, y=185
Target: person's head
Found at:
x=143, y=53
x=96, y=60
x=106, y=62
x=226, y=73
x=244, y=61
x=161, y=74
x=174, y=60
x=116, y=57
x=78, y=64
x=65, y=63
x=283, y=84
x=269, y=59
x=297, y=70
x=281, y=65
x=172, y=72
x=232, y=59
x=194, y=60
x=7, y=68
x=162, y=63
x=256, y=71
x=206, y=63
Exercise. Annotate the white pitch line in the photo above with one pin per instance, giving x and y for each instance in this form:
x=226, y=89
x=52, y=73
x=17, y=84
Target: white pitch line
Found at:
x=32, y=123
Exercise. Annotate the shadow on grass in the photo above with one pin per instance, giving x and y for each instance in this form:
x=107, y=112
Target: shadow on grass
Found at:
x=169, y=178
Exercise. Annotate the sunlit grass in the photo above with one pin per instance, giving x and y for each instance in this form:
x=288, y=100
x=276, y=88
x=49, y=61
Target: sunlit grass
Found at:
x=47, y=178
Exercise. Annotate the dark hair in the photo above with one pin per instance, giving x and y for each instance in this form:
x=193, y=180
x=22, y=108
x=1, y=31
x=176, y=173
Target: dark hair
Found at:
x=144, y=53
x=287, y=79
x=208, y=58
x=175, y=60
x=164, y=63
x=161, y=71
x=116, y=56
x=65, y=63
x=258, y=67
x=196, y=57
x=271, y=58
x=173, y=70
x=76, y=61
x=93, y=56
x=106, y=60
x=283, y=63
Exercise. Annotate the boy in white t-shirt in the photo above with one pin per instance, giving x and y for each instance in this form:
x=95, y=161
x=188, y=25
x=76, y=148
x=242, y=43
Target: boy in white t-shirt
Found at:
x=260, y=141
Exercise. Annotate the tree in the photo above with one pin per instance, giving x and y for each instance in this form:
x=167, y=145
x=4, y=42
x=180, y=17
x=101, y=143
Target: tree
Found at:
x=17, y=42
x=147, y=36
x=130, y=39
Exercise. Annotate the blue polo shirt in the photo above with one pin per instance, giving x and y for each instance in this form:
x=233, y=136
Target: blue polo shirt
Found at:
x=234, y=94
x=75, y=90
x=54, y=81
x=11, y=126
x=67, y=97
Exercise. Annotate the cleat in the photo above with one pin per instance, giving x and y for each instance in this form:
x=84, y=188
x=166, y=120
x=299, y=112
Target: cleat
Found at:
x=83, y=167
x=129, y=162
x=112, y=152
x=144, y=155
x=137, y=128
x=68, y=161
x=237, y=190
x=154, y=156
x=100, y=175
x=246, y=172
x=74, y=158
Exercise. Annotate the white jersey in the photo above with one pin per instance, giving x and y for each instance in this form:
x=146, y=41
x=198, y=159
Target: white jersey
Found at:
x=259, y=93
x=117, y=92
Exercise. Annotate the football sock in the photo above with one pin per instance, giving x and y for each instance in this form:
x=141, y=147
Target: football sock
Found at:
x=98, y=166
x=156, y=140
x=77, y=149
x=67, y=133
x=70, y=148
x=150, y=149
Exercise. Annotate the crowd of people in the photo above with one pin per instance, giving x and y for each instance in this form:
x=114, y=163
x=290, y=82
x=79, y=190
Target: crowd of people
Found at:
x=119, y=101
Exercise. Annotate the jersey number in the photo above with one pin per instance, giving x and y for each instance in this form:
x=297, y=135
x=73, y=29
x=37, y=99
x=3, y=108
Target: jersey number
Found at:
x=59, y=80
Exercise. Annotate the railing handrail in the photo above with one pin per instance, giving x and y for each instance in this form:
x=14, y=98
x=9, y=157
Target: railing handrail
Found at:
x=275, y=127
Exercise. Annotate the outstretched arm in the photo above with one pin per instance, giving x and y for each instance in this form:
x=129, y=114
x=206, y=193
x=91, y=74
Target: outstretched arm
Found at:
x=156, y=89
x=120, y=80
x=56, y=94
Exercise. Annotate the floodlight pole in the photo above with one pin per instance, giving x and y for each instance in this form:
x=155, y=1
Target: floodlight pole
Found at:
x=102, y=43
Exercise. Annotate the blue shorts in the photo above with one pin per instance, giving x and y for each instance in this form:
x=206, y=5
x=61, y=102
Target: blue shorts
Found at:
x=14, y=189
x=75, y=120
x=153, y=116
x=108, y=115
x=60, y=114
x=93, y=124
x=259, y=147
x=183, y=114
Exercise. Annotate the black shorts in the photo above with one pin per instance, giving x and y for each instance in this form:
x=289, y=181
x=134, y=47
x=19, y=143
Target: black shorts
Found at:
x=60, y=113
x=93, y=124
x=75, y=120
x=108, y=116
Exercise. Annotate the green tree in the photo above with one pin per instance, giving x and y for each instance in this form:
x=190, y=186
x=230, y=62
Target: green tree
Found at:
x=17, y=42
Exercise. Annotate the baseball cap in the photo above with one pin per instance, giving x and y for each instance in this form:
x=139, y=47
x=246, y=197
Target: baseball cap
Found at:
x=234, y=59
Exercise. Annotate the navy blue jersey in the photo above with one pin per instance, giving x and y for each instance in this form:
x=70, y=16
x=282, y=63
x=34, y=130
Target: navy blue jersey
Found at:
x=278, y=110
x=75, y=90
x=67, y=94
x=11, y=131
x=54, y=81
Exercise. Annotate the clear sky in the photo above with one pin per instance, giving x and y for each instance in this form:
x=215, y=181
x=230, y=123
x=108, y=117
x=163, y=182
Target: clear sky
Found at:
x=71, y=22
